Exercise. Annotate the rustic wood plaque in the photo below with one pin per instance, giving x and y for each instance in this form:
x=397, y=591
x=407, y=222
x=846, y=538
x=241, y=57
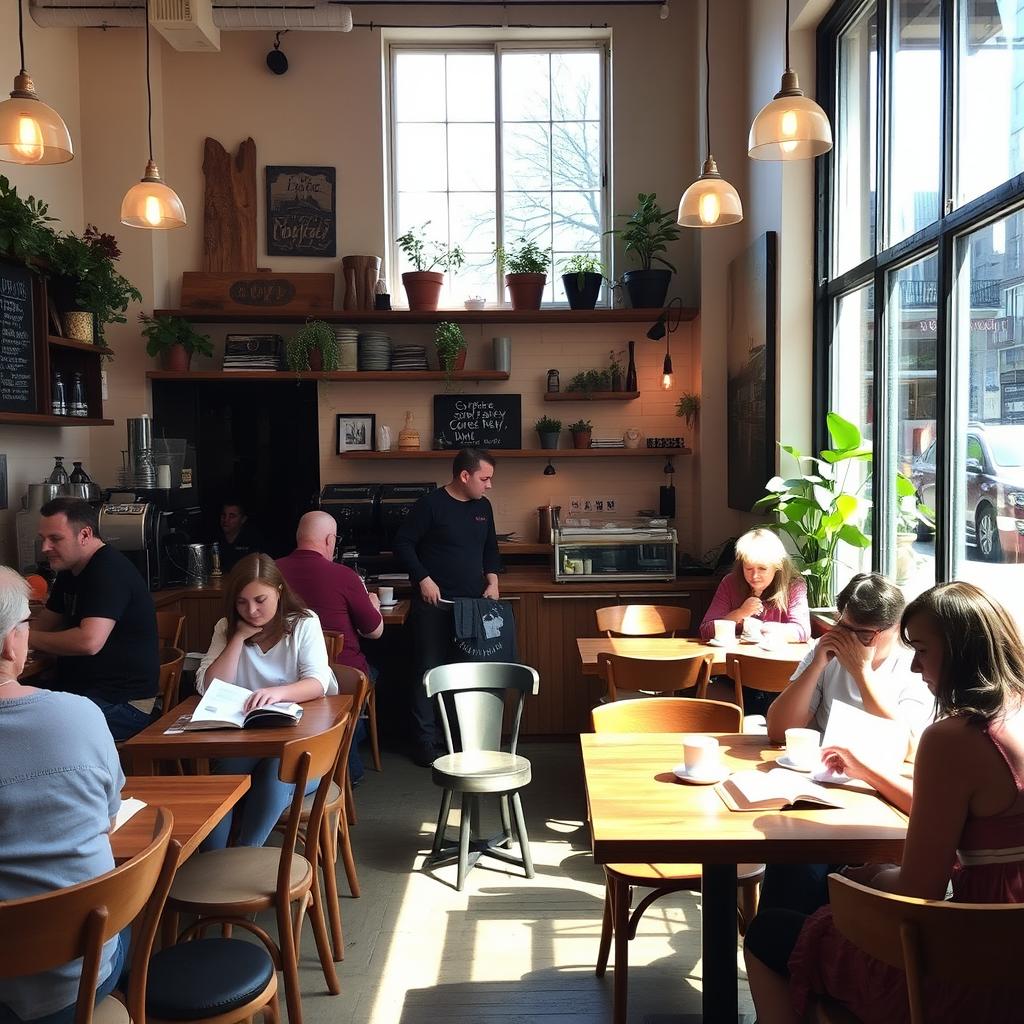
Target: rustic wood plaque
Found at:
x=301, y=211
x=250, y=293
x=229, y=208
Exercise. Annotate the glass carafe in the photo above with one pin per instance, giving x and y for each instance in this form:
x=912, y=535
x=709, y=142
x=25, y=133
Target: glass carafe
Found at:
x=58, y=475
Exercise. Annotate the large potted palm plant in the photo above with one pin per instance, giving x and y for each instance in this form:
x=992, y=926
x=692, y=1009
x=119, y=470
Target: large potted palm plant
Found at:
x=645, y=236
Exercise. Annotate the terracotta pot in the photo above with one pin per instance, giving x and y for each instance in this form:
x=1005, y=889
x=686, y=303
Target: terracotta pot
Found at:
x=458, y=363
x=177, y=358
x=526, y=290
x=316, y=360
x=423, y=288
x=581, y=440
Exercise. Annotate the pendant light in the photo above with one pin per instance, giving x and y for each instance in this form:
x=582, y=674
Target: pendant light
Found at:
x=30, y=131
x=710, y=202
x=792, y=126
x=151, y=204
x=663, y=328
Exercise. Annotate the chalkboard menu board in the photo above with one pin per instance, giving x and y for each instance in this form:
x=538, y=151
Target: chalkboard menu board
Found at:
x=17, y=358
x=478, y=421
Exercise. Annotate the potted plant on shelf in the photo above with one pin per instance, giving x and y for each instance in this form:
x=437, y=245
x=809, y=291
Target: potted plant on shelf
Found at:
x=581, y=431
x=525, y=266
x=314, y=346
x=646, y=235
x=581, y=277
x=615, y=369
x=174, y=339
x=549, y=431
x=25, y=232
x=688, y=407
x=450, y=343
x=423, y=285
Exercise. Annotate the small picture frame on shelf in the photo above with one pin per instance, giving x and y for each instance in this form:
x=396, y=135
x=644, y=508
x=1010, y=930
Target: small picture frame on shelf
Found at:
x=55, y=325
x=356, y=431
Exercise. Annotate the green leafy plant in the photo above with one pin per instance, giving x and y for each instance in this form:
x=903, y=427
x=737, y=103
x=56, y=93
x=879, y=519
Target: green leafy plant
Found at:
x=449, y=341
x=647, y=231
x=688, y=407
x=25, y=231
x=581, y=264
x=523, y=257
x=615, y=363
x=589, y=381
x=425, y=254
x=581, y=427
x=164, y=332
x=315, y=334
x=546, y=425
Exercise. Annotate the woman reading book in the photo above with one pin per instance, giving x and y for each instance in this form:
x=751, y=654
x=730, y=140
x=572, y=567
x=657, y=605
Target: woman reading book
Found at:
x=271, y=643
x=966, y=823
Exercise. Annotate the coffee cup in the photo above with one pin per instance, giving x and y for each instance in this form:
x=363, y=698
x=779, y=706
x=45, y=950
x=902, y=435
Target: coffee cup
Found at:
x=386, y=595
x=752, y=629
x=725, y=631
x=700, y=755
x=771, y=635
x=803, y=747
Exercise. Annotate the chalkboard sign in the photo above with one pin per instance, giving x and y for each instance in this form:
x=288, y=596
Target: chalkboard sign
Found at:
x=301, y=218
x=17, y=358
x=478, y=421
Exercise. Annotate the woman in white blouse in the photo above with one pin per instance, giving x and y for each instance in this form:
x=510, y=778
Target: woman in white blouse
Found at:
x=271, y=643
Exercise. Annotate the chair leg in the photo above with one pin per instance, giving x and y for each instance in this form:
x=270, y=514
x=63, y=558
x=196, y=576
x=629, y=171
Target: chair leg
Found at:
x=620, y=935
x=524, y=840
x=465, y=817
x=371, y=712
x=748, y=897
x=350, y=802
x=289, y=961
x=606, y=930
x=323, y=942
x=348, y=858
x=506, y=821
x=272, y=1011
x=331, y=892
x=442, y=824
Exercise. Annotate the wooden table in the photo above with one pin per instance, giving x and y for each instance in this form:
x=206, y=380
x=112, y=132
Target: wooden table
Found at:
x=198, y=803
x=680, y=647
x=152, y=744
x=640, y=813
x=396, y=615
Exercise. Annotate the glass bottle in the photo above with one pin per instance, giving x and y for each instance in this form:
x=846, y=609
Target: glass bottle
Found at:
x=58, y=475
x=78, y=406
x=60, y=405
x=631, y=369
x=79, y=475
x=553, y=382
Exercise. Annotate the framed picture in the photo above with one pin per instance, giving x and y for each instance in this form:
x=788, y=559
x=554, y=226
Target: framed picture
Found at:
x=750, y=341
x=356, y=431
x=301, y=219
x=55, y=325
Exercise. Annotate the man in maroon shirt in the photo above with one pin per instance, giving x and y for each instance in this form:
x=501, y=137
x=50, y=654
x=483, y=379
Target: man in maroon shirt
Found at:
x=336, y=593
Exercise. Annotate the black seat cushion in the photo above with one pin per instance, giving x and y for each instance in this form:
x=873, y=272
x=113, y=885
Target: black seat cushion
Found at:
x=206, y=977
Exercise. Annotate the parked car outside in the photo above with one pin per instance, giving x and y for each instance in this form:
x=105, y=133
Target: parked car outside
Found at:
x=994, y=516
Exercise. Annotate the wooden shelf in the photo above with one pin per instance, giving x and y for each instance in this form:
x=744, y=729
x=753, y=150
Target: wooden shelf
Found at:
x=397, y=317
x=79, y=346
x=39, y=419
x=592, y=396
x=526, y=453
x=335, y=376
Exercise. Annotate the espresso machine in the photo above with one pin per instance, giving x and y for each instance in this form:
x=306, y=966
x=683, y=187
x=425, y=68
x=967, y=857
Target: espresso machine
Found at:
x=369, y=515
x=133, y=529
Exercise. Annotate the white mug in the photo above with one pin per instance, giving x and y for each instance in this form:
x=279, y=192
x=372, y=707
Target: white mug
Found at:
x=803, y=747
x=771, y=635
x=383, y=439
x=752, y=628
x=386, y=595
x=725, y=631
x=700, y=755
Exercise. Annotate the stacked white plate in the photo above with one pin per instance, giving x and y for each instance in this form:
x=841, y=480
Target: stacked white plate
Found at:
x=348, y=347
x=374, y=350
x=409, y=357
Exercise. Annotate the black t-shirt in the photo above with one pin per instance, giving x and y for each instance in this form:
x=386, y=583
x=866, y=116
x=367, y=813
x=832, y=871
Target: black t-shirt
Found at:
x=451, y=541
x=247, y=542
x=128, y=665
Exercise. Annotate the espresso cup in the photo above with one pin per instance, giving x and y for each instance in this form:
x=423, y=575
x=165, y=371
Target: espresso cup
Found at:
x=752, y=629
x=700, y=755
x=386, y=595
x=803, y=747
x=771, y=635
x=725, y=631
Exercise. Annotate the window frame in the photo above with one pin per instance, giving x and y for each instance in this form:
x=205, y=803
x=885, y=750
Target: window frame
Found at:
x=497, y=49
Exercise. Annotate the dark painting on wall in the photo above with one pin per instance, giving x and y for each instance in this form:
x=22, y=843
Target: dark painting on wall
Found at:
x=301, y=211
x=750, y=343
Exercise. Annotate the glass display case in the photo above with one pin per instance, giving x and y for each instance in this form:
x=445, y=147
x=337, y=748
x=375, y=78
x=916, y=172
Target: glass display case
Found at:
x=623, y=548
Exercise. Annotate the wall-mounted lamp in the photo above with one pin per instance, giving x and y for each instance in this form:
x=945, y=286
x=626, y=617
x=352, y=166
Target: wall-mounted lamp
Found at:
x=663, y=328
x=663, y=11
x=276, y=60
x=549, y=470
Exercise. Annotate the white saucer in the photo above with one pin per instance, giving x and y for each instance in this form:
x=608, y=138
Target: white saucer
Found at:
x=784, y=762
x=390, y=604
x=683, y=775
x=827, y=775
x=721, y=643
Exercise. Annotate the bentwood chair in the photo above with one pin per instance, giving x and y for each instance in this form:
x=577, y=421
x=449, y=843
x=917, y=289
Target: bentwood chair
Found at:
x=627, y=678
x=171, y=661
x=169, y=627
x=476, y=691
x=769, y=674
x=643, y=620
x=335, y=641
x=977, y=944
x=659, y=714
x=228, y=887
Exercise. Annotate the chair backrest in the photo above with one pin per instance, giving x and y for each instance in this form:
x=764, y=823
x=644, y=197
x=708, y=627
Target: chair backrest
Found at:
x=977, y=944
x=643, y=620
x=478, y=691
x=657, y=675
x=667, y=714
x=350, y=680
x=335, y=641
x=769, y=674
x=41, y=932
x=169, y=627
x=171, y=661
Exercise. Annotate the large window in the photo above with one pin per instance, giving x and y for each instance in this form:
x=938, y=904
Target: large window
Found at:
x=922, y=272
x=496, y=144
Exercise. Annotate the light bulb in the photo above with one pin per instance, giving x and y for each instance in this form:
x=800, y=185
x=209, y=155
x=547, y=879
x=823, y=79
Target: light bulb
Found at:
x=666, y=372
x=663, y=12
x=788, y=124
x=666, y=381
x=710, y=208
x=152, y=210
x=30, y=139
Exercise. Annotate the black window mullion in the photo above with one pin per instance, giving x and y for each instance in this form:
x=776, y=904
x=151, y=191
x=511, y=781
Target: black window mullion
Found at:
x=945, y=402
x=948, y=63
x=879, y=412
x=882, y=120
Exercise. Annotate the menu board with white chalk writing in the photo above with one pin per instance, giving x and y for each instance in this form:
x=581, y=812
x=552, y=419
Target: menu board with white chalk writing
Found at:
x=478, y=421
x=17, y=356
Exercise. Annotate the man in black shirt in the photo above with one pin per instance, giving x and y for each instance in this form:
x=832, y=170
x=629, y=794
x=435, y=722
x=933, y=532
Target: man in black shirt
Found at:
x=99, y=619
x=238, y=537
x=449, y=546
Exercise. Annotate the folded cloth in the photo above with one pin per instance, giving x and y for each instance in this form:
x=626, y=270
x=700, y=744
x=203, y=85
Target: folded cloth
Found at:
x=484, y=629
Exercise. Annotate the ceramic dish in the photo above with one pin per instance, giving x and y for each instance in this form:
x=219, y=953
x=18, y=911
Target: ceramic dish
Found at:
x=784, y=762
x=683, y=775
x=721, y=643
x=389, y=604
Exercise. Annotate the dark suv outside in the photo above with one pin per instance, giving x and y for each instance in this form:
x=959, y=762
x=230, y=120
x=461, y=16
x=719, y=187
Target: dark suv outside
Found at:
x=995, y=488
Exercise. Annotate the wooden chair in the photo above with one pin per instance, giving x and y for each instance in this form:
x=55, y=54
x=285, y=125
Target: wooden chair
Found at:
x=769, y=674
x=627, y=678
x=643, y=620
x=171, y=661
x=227, y=887
x=973, y=943
x=659, y=714
x=335, y=642
x=169, y=627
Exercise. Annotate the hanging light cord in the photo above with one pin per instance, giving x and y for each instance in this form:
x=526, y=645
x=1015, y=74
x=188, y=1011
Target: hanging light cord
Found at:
x=149, y=89
x=786, y=30
x=707, y=73
x=21, y=37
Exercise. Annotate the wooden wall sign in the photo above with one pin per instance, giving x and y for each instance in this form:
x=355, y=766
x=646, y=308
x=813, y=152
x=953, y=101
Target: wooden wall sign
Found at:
x=247, y=293
x=301, y=211
x=229, y=208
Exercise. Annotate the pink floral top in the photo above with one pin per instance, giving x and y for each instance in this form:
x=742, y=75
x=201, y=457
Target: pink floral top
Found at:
x=728, y=598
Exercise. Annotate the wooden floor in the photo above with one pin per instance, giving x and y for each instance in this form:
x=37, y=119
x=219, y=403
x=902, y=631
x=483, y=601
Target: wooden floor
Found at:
x=506, y=949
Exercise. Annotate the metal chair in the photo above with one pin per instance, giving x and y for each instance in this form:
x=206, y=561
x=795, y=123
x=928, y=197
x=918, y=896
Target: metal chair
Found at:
x=476, y=691
x=643, y=620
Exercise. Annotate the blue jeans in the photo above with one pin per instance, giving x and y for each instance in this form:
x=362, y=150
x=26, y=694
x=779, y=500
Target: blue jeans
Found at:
x=123, y=720
x=356, y=771
x=261, y=807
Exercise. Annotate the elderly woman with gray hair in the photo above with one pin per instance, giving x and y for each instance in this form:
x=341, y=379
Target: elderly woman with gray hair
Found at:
x=60, y=788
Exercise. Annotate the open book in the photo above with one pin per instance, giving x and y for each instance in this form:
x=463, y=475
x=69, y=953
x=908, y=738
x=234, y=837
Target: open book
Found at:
x=772, y=790
x=222, y=707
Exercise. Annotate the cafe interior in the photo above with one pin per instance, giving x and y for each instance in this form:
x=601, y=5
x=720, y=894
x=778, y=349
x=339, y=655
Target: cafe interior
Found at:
x=688, y=269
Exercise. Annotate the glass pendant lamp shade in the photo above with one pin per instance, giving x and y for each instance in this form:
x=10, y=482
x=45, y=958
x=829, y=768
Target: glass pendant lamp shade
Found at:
x=152, y=204
x=791, y=127
x=710, y=202
x=30, y=131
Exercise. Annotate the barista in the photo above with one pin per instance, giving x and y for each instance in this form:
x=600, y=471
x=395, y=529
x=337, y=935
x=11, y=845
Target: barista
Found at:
x=237, y=537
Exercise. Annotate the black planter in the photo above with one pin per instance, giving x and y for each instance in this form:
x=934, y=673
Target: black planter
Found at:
x=549, y=440
x=647, y=288
x=585, y=297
